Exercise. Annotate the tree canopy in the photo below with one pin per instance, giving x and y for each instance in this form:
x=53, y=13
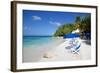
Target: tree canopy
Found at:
x=64, y=29
x=81, y=23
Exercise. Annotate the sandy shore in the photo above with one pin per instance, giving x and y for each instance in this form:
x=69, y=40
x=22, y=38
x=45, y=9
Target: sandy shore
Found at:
x=57, y=53
x=35, y=54
x=60, y=53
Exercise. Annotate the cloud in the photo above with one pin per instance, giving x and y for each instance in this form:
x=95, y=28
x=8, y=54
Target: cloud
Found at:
x=55, y=23
x=36, y=18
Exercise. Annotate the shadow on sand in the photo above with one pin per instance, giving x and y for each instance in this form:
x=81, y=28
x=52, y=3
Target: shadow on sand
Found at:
x=88, y=42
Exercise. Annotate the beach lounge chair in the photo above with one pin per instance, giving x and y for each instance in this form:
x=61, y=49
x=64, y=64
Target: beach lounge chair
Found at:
x=73, y=42
x=75, y=47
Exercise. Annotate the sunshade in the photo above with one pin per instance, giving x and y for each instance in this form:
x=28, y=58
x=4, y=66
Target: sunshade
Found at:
x=71, y=35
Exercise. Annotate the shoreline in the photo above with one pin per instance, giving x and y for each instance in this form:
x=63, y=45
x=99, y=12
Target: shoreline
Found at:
x=35, y=54
x=57, y=53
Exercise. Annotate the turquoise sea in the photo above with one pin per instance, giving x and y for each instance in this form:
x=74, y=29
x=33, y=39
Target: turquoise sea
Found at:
x=38, y=41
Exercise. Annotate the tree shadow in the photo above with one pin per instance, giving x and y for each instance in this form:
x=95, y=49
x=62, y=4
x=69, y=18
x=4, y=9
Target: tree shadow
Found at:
x=88, y=42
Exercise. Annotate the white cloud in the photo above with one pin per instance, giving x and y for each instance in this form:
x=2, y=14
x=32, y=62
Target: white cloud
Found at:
x=55, y=23
x=36, y=17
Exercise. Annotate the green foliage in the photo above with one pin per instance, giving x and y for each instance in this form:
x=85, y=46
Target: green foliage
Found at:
x=77, y=22
x=64, y=29
x=83, y=24
x=86, y=24
x=78, y=19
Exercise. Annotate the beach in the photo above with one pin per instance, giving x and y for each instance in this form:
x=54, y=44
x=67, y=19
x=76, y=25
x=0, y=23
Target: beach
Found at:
x=35, y=53
x=60, y=53
x=57, y=52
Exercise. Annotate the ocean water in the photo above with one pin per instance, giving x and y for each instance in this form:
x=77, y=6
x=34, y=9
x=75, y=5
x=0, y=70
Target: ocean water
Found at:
x=38, y=41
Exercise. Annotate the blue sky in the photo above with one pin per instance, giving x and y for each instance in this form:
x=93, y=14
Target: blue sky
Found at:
x=42, y=23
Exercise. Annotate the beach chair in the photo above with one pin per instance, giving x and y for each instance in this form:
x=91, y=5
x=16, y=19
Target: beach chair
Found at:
x=75, y=46
x=73, y=42
x=70, y=43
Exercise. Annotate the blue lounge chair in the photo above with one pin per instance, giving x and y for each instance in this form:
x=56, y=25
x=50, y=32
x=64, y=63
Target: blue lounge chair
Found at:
x=75, y=47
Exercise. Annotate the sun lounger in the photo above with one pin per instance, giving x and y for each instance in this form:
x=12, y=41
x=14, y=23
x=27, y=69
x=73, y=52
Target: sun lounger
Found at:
x=75, y=46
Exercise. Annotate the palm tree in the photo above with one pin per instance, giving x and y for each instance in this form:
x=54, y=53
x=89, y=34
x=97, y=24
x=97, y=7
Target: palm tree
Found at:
x=77, y=22
x=86, y=24
x=64, y=29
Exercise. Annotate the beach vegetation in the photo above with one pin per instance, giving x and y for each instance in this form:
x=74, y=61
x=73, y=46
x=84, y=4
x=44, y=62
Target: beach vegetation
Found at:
x=81, y=23
x=64, y=29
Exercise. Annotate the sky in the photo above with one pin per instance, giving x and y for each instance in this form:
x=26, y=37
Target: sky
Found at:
x=44, y=23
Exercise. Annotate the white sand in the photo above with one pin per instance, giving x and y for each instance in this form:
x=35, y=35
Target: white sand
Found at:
x=59, y=53
x=35, y=54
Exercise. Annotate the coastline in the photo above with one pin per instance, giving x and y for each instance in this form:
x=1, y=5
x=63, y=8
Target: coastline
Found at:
x=57, y=52
x=35, y=54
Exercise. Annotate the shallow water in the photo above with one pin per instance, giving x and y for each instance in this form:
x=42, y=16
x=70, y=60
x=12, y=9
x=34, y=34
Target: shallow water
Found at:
x=36, y=41
x=34, y=47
